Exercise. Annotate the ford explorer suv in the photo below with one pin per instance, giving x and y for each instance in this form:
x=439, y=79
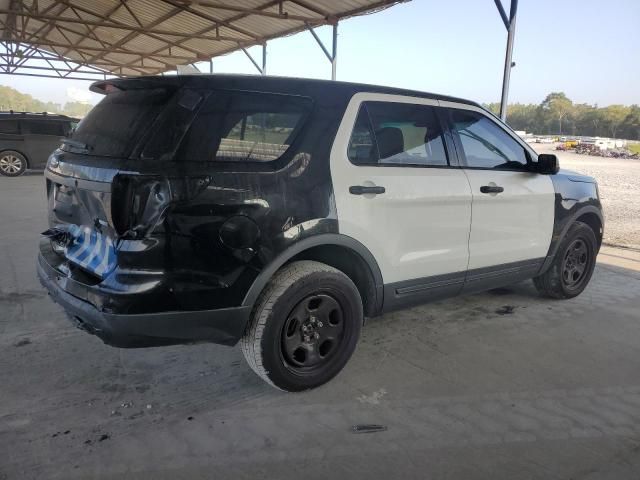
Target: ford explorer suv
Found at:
x=279, y=213
x=27, y=139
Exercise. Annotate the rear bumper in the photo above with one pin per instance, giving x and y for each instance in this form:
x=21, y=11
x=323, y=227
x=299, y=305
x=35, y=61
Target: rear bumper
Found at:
x=224, y=326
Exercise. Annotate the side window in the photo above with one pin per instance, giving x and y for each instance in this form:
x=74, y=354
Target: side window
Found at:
x=43, y=127
x=362, y=148
x=397, y=134
x=9, y=126
x=245, y=127
x=485, y=144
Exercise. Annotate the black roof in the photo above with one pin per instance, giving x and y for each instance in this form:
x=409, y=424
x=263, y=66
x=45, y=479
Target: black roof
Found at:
x=271, y=83
x=35, y=115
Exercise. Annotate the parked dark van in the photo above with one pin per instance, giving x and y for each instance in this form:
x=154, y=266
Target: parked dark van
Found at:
x=27, y=139
x=279, y=213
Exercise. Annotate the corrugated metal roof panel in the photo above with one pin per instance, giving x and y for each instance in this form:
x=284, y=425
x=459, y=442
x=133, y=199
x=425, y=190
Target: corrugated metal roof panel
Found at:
x=150, y=36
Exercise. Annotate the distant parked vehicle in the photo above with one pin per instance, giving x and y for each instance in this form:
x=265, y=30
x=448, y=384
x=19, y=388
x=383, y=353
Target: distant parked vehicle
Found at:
x=27, y=139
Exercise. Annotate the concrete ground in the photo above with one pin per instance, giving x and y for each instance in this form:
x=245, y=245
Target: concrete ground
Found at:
x=503, y=385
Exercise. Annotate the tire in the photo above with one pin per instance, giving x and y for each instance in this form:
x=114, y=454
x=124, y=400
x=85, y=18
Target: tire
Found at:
x=304, y=326
x=12, y=163
x=573, y=265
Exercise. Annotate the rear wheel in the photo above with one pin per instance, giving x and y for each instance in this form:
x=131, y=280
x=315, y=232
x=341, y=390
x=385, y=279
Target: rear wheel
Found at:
x=572, y=266
x=304, y=327
x=12, y=164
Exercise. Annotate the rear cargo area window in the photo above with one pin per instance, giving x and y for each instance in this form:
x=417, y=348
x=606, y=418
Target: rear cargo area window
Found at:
x=41, y=127
x=114, y=126
x=9, y=126
x=244, y=127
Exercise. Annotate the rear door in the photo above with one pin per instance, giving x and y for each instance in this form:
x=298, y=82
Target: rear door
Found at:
x=398, y=193
x=41, y=138
x=513, y=207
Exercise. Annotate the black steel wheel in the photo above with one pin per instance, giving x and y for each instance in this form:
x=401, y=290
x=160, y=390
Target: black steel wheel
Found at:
x=573, y=265
x=575, y=262
x=305, y=326
x=313, y=333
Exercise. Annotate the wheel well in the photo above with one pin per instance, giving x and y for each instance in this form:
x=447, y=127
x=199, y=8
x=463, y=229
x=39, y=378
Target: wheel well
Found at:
x=349, y=263
x=594, y=222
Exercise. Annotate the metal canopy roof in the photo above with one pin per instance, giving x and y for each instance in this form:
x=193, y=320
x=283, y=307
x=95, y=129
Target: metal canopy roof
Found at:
x=95, y=38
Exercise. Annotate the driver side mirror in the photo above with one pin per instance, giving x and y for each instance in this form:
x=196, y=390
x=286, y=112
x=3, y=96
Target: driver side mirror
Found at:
x=548, y=164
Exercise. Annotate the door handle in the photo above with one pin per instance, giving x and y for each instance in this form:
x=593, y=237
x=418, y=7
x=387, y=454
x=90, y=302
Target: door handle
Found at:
x=361, y=190
x=491, y=189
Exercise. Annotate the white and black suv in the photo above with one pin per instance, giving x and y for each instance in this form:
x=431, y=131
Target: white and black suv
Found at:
x=279, y=213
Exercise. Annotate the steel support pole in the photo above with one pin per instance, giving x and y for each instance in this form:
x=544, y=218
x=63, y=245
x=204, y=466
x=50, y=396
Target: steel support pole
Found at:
x=334, y=52
x=264, y=59
x=508, y=63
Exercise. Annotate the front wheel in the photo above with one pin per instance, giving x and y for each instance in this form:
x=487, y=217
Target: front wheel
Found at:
x=12, y=164
x=304, y=327
x=573, y=265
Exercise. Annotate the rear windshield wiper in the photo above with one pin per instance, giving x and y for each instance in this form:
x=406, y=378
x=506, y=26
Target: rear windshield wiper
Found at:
x=83, y=147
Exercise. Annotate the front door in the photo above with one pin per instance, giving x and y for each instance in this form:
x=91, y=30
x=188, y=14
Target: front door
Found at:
x=513, y=207
x=397, y=193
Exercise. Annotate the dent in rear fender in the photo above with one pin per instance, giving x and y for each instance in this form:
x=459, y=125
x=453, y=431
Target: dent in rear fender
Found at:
x=573, y=198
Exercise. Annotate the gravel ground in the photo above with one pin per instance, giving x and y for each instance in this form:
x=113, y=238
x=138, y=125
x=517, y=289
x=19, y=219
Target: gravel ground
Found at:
x=619, y=185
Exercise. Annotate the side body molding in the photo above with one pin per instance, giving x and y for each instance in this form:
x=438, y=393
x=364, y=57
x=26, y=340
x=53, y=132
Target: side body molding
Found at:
x=315, y=241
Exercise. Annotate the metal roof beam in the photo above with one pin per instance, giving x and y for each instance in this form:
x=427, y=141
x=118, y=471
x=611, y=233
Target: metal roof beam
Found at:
x=216, y=21
x=281, y=15
x=216, y=26
x=263, y=69
x=333, y=56
x=117, y=25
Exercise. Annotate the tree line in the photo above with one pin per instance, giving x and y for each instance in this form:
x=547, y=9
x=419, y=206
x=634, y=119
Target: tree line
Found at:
x=558, y=115
x=12, y=99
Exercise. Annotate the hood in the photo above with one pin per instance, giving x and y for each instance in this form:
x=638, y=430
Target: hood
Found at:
x=576, y=177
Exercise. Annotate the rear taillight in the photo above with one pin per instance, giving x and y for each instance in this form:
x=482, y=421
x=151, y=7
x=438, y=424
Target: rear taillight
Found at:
x=140, y=202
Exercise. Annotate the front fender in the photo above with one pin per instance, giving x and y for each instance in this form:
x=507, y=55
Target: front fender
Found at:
x=573, y=199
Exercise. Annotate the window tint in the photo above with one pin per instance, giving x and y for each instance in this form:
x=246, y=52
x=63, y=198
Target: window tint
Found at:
x=397, y=133
x=362, y=148
x=9, y=126
x=242, y=126
x=43, y=127
x=114, y=125
x=485, y=144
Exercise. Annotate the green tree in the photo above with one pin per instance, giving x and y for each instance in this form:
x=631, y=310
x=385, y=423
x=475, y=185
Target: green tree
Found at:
x=76, y=109
x=12, y=99
x=630, y=128
x=557, y=107
x=614, y=115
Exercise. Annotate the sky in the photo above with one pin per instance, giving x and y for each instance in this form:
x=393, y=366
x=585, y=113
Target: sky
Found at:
x=589, y=49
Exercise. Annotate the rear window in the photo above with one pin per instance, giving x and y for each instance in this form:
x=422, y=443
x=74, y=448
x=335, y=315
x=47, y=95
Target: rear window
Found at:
x=113, y=127
x=244, y=127
x=9, y=126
